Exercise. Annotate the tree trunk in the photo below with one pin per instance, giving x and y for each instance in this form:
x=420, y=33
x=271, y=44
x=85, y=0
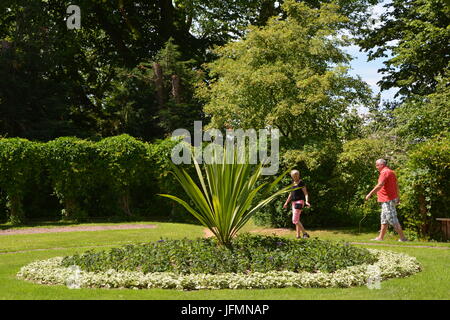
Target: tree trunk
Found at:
x=176, y=88
x=159, y=84
x=125, y=203
x=15, y=209
x=70, y=207
x=167, y=17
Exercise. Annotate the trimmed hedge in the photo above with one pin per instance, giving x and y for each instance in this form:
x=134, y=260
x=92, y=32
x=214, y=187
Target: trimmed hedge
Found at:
x=115, y=177
x=20, y=163
x=124, y=163
x=74, y=168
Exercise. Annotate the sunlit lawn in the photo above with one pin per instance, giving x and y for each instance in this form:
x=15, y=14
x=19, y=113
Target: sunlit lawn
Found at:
x=18, y=250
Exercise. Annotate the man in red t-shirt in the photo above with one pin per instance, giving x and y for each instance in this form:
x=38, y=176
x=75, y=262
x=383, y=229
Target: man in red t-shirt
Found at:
x=388, y=195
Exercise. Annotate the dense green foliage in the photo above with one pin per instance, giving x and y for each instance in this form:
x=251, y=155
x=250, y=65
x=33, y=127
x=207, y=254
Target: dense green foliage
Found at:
x=74, y=170
x=425, y=179
x=126, y=165
x=337, y=182
x=421, y=117
x=20, y=163
x=138, y=67
x=146, y=106
x=415, y=33
x=290, y=74
x=357, y=175
x=58, y=82
x=246, y=254
x=117, y=176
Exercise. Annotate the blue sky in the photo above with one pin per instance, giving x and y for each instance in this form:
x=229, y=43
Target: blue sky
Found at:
x=369, y=70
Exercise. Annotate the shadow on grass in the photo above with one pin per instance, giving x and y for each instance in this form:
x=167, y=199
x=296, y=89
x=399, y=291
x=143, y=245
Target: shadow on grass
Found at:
x=352, y=230
x=113, y=220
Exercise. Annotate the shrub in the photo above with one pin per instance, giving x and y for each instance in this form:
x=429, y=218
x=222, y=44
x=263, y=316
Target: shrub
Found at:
x=425, y=181
x=357, y=175
x=224, y=200
x=112, y=177
x=316, y=163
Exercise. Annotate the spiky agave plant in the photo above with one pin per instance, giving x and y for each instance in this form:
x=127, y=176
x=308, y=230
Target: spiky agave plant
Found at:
x=226, y=200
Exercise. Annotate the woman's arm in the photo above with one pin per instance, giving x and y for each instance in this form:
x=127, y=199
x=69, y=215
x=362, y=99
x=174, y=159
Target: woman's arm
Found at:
x=305, y=191
x=287, y=201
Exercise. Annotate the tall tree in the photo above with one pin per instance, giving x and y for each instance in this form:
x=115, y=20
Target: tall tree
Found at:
x=55, y=81
x=154, y=98
x=416, y=34
x=290, y=74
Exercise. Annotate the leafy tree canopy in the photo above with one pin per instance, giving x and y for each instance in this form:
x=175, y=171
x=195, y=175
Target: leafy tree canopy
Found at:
x=290, y=74
x=416, y=35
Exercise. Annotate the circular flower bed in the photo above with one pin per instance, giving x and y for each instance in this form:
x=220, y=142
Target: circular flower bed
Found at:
x=251, y=262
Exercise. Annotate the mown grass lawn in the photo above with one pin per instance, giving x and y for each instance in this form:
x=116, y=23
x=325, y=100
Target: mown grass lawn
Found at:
x=18, y=250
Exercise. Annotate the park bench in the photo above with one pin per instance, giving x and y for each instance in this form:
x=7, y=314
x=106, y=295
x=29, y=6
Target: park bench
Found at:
x=445, y=227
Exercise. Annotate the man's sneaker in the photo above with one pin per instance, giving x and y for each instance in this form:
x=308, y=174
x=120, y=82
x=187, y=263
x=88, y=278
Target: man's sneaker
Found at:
x=402, y=240
x=305, y=236
x=376, y=239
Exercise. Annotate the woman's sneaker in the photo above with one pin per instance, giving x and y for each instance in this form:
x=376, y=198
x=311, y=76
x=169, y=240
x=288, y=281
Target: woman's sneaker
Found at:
x=305, y=236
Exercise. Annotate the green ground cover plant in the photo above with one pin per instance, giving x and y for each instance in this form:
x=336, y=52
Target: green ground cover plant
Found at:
x=247, y=253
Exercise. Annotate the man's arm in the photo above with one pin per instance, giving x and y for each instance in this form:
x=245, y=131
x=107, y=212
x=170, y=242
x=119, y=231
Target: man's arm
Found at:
x=375, y=190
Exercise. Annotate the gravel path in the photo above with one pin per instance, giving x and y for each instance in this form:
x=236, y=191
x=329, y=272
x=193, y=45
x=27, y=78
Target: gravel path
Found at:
x=76, y=228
